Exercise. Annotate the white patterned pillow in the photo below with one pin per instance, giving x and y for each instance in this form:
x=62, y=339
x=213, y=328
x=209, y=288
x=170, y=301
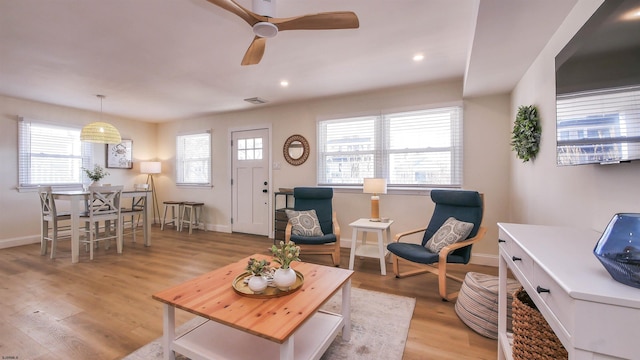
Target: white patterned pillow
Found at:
x=449, y=233
x=304, y=223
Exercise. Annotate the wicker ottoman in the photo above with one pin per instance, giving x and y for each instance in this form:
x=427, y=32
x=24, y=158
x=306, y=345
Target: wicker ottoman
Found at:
x=477, y=304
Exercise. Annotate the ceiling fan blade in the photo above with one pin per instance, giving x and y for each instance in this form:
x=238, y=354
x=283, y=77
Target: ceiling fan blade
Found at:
x=255, y=51
x=320, y=21
x=250, y=17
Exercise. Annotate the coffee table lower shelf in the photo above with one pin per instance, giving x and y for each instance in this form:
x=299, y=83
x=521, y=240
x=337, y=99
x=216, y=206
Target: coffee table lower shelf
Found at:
x=212, y=340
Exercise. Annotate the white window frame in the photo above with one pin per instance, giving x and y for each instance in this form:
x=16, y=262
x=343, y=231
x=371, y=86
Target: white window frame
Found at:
x=184, y=161
x=32, y=147
x=377, y=151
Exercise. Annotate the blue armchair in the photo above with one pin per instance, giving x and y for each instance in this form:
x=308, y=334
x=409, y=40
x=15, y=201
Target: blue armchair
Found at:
x=464, y=206
x=319, y=199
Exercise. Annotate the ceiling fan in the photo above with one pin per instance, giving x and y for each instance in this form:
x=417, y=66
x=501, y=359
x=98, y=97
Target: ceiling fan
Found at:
x=266, y=25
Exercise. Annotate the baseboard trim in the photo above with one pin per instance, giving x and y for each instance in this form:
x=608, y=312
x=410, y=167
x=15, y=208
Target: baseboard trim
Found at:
x=219, y=228
x=484, y=259
x=26, y=240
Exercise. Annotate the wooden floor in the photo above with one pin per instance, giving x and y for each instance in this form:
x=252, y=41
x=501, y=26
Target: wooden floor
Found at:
x=102, y=309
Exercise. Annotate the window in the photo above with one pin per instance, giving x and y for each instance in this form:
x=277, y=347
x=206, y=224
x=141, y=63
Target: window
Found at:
x=250, y=149
x=409, y=149
x=193, y=159
x=51, y=154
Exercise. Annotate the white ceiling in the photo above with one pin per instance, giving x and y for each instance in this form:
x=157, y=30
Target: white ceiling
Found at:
x=161, y=60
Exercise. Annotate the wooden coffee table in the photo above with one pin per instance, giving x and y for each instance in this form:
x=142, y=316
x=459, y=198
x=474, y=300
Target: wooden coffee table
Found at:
x=240, y=327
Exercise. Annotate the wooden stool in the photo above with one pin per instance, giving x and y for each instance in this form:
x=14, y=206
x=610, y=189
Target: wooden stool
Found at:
x=176, y=209
x=192, y=216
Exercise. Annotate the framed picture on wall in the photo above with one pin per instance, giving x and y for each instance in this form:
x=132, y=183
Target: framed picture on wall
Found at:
x=119, y=155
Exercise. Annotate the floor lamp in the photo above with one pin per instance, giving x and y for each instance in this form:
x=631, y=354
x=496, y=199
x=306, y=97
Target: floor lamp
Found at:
x=150, y=168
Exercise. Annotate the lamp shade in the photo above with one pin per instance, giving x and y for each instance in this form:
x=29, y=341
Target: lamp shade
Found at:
x=150, y=167
x=100, y=132
x=375, y=186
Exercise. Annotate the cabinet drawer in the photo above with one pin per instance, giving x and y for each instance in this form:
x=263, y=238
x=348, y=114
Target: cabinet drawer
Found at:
x=556, y=300
x=505, y=242
x=523, y=263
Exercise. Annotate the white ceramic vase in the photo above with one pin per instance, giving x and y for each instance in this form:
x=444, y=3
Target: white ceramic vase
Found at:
x=257, y=284
x=284, y=278
x=96, y=183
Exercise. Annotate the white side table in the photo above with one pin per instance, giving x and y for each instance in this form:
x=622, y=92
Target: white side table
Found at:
x=378, y=250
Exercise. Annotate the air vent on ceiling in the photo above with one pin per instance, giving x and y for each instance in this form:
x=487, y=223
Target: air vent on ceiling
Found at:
x=256, y=100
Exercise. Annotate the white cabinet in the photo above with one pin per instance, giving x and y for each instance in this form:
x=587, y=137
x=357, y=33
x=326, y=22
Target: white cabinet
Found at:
x=594, y=316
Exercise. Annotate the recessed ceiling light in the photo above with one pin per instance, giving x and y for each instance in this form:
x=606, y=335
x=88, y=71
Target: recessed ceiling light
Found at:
x=632, y=15
x=418, y=57
x=284, y=83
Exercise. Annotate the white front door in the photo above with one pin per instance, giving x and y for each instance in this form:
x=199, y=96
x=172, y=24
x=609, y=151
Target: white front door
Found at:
x=250, y=181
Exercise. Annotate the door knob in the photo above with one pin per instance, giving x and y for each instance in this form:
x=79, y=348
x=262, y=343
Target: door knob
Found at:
x=265, y=183
x=265, y=191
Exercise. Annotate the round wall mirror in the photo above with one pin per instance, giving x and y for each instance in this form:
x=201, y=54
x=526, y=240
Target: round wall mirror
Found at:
x=296, y=150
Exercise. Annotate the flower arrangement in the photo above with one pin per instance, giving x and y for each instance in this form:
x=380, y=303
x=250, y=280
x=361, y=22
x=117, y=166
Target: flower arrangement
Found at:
x=97, y=174
x=257, y=267
x=285, y=253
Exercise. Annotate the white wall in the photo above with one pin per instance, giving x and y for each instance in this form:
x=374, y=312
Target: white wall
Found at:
x=583, y=196
x=486, y=155
x=19, y=223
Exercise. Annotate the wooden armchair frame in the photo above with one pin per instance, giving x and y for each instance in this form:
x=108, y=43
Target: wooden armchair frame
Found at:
x=332, y=249
x=439, y=268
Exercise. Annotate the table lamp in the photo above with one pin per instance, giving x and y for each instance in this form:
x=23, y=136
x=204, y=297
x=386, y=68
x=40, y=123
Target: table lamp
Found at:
x=375, y=186
x=150, y=168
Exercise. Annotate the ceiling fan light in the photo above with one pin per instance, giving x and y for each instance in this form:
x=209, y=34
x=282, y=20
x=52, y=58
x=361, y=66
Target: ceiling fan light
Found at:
x=264, y=7
x=265, y=29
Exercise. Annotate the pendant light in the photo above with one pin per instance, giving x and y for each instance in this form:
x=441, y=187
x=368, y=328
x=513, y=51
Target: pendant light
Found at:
x=100, y=132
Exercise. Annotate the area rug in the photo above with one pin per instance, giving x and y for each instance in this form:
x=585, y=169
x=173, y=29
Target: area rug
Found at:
x=379, y=327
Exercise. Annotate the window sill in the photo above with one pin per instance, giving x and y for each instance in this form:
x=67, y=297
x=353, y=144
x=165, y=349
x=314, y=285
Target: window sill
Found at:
x=195, y=186
x=390, y=190
x=26, y=189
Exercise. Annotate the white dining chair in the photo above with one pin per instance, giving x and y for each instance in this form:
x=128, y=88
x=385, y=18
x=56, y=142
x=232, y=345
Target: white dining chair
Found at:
x=131, y=214
x=103, y=205
x=52, y=222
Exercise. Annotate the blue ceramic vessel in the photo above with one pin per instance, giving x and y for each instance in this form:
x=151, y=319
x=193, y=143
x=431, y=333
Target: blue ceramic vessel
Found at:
x=619, y=248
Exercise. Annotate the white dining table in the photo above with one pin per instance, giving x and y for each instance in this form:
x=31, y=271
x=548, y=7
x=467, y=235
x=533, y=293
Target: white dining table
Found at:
x=76, y=200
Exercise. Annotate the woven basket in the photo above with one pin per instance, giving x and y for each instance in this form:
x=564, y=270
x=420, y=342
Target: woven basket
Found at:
x=533, y=338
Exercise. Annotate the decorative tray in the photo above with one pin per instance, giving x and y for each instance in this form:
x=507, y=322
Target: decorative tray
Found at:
x=241, y=287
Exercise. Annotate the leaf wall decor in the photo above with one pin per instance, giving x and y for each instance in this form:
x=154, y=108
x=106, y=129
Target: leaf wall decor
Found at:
x=525, y=137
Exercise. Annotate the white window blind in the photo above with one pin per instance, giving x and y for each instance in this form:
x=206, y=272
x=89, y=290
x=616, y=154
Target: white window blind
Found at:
x=193, y=159
x=51, y=154
x=601, y=126
x=410, y=149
